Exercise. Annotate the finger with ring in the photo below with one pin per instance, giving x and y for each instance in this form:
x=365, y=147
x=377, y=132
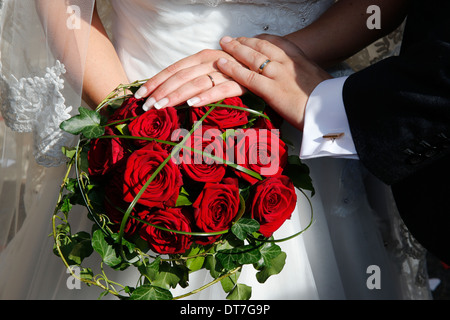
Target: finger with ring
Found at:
x=263, y=65
x=212, y=80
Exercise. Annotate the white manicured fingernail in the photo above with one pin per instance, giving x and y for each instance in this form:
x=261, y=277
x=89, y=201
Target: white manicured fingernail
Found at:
x=161, y=103
x=222, y=61
x=193, y=101
x=148, y=104
x=140, y=93
x=226, y=39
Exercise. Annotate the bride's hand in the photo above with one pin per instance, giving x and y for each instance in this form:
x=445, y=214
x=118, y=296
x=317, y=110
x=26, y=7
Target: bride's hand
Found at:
x=276, y=70
x=187, y=78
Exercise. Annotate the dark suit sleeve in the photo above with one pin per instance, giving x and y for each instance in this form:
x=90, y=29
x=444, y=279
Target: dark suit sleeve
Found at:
x=399, y=109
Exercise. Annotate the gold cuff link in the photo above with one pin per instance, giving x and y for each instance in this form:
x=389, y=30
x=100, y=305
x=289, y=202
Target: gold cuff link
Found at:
x=333, y=136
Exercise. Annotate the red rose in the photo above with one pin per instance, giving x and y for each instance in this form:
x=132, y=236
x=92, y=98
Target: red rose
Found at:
x=116, y=207
x=222, y=117
x=158, y=124
x=261, y=151
x=106, y=153
x=201, y=168
x=167, y=242
x=273, y=202
x=130, y=108
x=165, y=187
x=216, y=207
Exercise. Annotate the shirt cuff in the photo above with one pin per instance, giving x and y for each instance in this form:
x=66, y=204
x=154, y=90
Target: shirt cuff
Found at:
x=324, y=115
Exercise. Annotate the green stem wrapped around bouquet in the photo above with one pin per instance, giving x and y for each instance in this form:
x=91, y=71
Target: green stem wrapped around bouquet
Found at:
x=171, y=208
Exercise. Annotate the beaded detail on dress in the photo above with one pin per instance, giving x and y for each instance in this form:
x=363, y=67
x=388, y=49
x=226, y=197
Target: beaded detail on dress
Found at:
x=283, y=16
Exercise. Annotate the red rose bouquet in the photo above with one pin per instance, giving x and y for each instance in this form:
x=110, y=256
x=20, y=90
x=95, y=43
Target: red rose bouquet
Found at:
x=176, y=190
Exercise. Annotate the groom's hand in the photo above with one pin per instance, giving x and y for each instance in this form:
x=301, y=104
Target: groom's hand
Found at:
x=276, y=70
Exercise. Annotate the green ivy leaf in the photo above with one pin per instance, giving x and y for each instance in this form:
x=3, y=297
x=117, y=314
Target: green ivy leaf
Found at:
x=83, y=161
x=96, y=196
x=65, y=206
x=82, y=247
x=150, y=270
x=129, y=246
x=240, y=292
x=72, y=185
x=166, y=277
x=275, y=267
x=75, y=248
x=149, y=292
x=226, y=259
x=213, y=266
x=298, y=172
x=69, y=152
x=196, y=263
x=66, y=246
x=183, y=273
x=231, y=258
x=105, y=249
x=230, y=282
x=88, y=122
x=248, y=254
x=243, y=227
x=269, y=251
x=164, y=274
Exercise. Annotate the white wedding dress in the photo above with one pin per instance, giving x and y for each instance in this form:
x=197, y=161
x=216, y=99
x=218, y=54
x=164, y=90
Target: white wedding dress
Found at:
x=355, y=224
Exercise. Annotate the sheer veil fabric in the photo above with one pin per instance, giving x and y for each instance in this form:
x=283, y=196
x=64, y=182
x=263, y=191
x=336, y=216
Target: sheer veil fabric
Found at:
x=43, y=50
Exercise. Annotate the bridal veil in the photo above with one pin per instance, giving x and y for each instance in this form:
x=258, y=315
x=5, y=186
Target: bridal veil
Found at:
x=43, y=48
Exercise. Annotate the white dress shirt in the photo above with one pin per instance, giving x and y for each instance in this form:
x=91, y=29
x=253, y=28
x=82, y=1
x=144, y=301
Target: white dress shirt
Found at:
x=324, y=115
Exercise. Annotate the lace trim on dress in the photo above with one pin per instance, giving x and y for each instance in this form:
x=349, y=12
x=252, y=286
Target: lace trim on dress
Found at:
x=37, y=105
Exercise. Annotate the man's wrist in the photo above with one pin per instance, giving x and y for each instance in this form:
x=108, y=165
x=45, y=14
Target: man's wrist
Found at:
x=326, y=130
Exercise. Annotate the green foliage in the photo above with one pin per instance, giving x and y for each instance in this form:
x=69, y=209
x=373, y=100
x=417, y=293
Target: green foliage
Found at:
x=298, y=172
x=275, y=267
x=105, y=247
x=243, y=227
x=228, y=283
x=196, y=256
x=88, y=123
x=240, y=292
x=149, y=292
x=183, y=198
x=75, y=248
x=164, y=274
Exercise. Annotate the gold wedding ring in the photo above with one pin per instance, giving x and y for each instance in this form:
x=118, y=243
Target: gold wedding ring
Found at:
x=212, y=80
x=263, y=65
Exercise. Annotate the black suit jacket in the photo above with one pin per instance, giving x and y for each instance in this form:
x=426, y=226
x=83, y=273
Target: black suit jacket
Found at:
x=399, y=116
